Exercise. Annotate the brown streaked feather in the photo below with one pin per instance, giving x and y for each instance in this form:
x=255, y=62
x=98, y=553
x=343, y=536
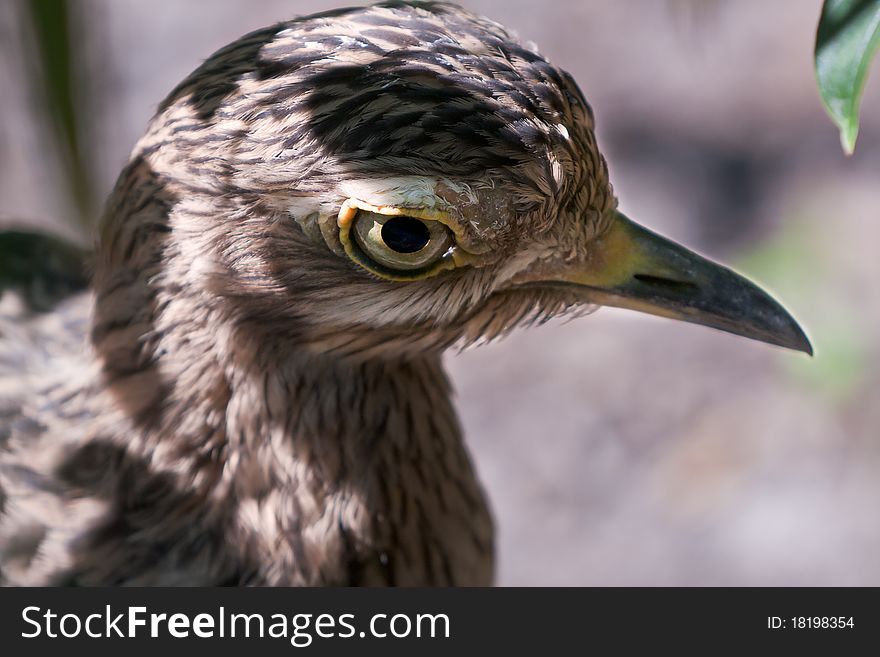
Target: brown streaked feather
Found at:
x=249, y=406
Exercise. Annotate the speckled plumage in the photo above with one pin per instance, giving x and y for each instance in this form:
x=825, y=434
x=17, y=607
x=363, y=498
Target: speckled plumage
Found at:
x=250, y=407
x=248, y=404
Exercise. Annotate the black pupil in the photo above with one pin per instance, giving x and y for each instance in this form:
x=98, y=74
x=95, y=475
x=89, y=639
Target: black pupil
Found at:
x=405, y=234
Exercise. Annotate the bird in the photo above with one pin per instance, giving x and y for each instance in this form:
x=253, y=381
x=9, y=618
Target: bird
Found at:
x=246, y=387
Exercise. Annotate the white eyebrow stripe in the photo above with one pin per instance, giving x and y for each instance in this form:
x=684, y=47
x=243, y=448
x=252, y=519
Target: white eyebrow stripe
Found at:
x=394, y=191
x=405, y=191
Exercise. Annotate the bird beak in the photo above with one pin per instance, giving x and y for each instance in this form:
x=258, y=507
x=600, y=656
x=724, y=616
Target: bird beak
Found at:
x=631, y=267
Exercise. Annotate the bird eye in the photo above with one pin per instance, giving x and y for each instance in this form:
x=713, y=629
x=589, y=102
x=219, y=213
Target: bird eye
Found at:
x=405, y=234
x=400, y=243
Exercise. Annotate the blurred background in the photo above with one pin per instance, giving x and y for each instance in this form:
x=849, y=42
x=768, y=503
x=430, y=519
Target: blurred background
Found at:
x=617, y=449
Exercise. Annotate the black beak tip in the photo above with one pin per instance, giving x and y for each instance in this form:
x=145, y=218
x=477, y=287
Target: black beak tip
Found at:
x=802, y=342
x=790, y=335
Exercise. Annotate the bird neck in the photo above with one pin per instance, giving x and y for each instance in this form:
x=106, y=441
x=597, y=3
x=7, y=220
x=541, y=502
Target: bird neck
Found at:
x=328, y=470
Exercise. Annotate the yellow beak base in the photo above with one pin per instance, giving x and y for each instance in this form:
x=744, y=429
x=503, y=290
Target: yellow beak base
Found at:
x=632, y=267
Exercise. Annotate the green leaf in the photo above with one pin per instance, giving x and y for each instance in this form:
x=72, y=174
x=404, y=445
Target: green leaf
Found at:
x=847, y=38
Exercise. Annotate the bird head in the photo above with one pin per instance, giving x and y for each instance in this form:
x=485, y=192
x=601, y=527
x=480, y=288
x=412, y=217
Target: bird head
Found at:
x=397, y=178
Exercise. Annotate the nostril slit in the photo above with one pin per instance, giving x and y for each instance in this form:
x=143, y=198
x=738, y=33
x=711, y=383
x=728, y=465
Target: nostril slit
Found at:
x=658, y=281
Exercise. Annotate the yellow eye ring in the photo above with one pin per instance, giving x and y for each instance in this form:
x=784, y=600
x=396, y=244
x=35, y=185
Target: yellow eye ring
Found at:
x=401, y=244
